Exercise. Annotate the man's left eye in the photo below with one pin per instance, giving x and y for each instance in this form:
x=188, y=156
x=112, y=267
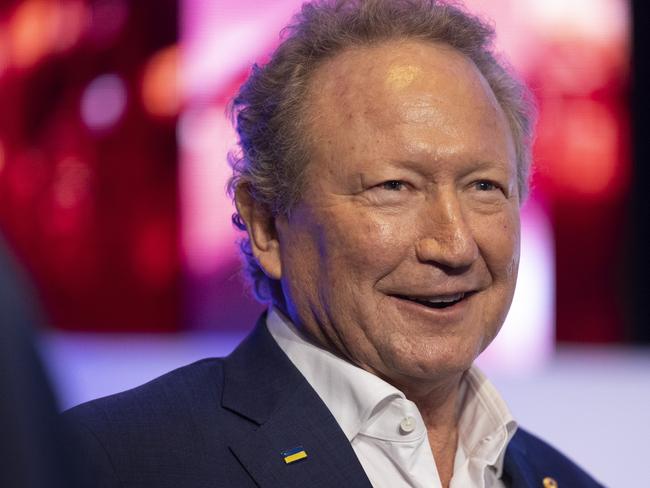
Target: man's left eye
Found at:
x=393, y=185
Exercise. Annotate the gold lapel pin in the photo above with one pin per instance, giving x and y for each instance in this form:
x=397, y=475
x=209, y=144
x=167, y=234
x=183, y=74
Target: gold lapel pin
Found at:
x=549, y=482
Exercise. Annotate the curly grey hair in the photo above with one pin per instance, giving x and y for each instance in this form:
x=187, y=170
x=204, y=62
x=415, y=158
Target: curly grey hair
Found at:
x=268, y=110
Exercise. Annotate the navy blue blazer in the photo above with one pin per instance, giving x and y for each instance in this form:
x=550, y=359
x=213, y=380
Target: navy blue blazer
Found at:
x=226, y=423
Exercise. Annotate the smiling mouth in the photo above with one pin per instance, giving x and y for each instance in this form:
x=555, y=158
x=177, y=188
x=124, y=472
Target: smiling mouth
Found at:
x=438, y=302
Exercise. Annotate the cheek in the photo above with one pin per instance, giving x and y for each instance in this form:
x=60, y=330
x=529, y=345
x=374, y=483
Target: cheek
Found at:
x=500, y=249
x=370, y=245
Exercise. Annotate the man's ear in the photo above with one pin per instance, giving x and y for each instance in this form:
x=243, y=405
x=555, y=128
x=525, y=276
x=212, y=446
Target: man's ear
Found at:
x=260, y=225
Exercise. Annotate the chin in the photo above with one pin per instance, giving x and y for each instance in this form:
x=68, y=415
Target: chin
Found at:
x=429, y=365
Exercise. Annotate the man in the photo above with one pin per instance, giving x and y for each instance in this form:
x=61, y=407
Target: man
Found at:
x=384, y=158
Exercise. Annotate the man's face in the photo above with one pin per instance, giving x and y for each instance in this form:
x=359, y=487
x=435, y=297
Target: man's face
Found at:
x=402, y=254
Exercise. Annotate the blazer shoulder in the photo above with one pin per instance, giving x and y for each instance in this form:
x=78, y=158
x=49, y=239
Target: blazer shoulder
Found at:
x=546, y=460
x=161, y=408
x=157, y=434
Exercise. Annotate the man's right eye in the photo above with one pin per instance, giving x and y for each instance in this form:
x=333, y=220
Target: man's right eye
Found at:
x=393, y=185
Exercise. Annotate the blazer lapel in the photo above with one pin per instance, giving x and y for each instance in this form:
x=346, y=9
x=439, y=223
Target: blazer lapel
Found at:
x=263, y=385
x=517, y=468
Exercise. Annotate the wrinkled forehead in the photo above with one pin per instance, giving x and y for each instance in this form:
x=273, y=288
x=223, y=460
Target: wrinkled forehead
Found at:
x=361, y=81
x=426, y=96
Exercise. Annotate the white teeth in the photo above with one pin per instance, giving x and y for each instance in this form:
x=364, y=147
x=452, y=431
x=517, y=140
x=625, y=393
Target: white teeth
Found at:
x=447, y=299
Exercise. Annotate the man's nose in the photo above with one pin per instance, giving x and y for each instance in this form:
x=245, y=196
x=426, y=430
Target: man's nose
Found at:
x=447, y=239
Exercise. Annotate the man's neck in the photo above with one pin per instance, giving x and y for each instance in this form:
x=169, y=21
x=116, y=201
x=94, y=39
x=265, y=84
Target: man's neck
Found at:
x=440, y=409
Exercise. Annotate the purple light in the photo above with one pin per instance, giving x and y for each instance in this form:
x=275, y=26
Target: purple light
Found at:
x=103, y=102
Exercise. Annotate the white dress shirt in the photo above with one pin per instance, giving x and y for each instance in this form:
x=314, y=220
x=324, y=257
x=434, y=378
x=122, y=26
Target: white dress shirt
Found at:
x=386, y=429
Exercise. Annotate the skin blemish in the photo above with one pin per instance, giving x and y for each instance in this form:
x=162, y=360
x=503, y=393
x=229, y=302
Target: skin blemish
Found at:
x=401, y=76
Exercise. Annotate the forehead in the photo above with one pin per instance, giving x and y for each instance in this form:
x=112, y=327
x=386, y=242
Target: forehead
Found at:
x=392, y=67
x=409, y=82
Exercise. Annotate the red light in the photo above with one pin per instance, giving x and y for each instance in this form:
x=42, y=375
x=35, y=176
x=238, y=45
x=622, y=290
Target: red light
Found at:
x=587, y=156
x=71, y=182
x=160, y=83
x=30, y=32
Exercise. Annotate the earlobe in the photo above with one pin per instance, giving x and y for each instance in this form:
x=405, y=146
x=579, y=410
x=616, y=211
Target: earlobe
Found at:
x=260, y=225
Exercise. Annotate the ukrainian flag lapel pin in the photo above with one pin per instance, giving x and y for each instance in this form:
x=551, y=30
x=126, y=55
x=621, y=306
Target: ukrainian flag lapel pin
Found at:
x=292, y=455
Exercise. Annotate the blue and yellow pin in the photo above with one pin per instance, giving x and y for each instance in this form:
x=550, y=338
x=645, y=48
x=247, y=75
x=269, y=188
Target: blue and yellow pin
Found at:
x=293, y=455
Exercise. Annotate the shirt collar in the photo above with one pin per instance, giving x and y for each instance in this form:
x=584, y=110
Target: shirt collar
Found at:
x=486, y=425
x=354, y=396
x=350, y=393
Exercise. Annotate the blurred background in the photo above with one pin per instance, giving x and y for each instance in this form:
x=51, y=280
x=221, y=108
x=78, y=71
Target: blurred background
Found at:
x=113, y=140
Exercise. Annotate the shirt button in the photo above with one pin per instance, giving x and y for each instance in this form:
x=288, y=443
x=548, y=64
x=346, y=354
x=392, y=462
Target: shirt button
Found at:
x=407, y=425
